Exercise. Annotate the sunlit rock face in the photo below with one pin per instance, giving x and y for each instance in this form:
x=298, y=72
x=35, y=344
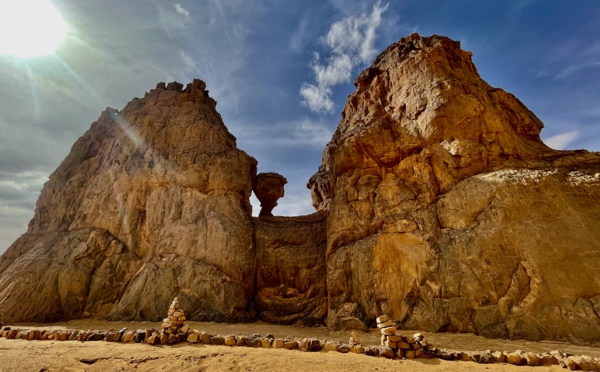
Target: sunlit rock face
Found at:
x=438, y=205
x=448, y=213
x=151, y=203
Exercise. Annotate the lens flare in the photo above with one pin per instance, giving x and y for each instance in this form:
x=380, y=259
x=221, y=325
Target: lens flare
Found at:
x=30, y=28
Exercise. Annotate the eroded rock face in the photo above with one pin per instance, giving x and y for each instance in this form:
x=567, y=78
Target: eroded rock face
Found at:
x=268, y=189
x=438, y=206
x=290, y=280
x=151, y=203
x=446, y=210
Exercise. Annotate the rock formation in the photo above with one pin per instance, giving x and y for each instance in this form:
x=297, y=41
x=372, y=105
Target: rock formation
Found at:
x=268, y=189
x=290, y=280
x=438, y=205
x=448, y=213
x=152, y=202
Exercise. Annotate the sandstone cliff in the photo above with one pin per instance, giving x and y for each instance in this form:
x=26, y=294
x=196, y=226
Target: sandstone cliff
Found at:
x=151, y=203
x=438, y=205
x=290, y=280
x=448, y=213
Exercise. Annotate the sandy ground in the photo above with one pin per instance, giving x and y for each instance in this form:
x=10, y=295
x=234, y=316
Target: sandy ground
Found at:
x=21, y=355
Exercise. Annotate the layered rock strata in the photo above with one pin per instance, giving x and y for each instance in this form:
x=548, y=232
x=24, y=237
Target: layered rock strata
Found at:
x=448, y=213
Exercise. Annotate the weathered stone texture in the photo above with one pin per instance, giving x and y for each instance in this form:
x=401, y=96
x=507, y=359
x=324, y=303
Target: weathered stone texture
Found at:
x=438, y=205
x=150, y=200
x=290, y=280
x=446, y=210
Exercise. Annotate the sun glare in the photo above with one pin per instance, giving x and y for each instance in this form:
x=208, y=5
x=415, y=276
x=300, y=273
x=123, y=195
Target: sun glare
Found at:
x=30, y=28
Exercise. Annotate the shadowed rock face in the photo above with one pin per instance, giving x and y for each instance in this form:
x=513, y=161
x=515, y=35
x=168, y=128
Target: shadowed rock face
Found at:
x=438, y=206
x=290, y=280
x=448, y=213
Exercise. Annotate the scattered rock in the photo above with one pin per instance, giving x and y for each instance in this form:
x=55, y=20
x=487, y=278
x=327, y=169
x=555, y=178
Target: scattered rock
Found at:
x=386, y=352
x=254, y=341
x=217, y=340
x=516, y=358
x=265, y=343
x=192, y=338
x=205, y=338
x=98, y=336
x=290, y=344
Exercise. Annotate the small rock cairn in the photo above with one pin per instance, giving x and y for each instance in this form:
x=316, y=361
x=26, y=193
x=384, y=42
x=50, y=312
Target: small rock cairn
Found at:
x=173, y=328
x=175, y=319
x=399, y=346
x=393, y=345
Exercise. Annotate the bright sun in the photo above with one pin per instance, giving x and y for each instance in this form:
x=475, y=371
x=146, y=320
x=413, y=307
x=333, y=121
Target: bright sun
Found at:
x=30, y=28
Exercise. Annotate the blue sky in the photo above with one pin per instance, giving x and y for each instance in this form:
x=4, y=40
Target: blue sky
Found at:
x=280, y=72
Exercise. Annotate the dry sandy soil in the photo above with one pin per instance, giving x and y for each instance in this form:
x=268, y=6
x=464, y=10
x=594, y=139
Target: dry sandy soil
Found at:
x=21, y=355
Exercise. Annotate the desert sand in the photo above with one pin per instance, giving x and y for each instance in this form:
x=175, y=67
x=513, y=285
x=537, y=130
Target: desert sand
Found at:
x=21, y=355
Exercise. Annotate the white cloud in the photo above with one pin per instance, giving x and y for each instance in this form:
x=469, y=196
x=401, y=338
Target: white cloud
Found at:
x=189, y=63
x=181, y=10
x=337, y=71
x=355, y=36
x=302, y=132
x=298, y=39
x=317, y=98
x=561, y=141
x=351, y=41
x=572, y=69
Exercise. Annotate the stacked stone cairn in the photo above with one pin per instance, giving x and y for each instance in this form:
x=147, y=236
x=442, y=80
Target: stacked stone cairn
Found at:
x=173, y=328
x=396, y=346
x=393, y=345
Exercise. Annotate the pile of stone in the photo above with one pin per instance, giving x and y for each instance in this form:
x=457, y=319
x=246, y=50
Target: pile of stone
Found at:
x=173, y=328
x=395, y=345
x=154, y=337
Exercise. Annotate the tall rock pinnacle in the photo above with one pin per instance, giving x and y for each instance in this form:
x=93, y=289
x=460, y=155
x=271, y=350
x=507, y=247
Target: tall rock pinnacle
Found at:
x=151, y=203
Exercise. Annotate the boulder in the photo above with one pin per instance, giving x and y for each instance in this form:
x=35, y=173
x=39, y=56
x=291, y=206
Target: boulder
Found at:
x=268, y=189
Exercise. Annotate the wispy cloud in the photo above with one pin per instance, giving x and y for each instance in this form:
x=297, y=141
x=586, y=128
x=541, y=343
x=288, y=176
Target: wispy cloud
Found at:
x=303, y=132
x=561, y=141
x=181, y=10
x=298, y=38
x=572, y=69
x=351, y=42
x=188, y=61
x=18, y=193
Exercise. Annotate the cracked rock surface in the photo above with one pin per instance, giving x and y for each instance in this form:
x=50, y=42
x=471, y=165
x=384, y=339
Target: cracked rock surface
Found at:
x=448, y=213
x=152, y=202
x=438, y=205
